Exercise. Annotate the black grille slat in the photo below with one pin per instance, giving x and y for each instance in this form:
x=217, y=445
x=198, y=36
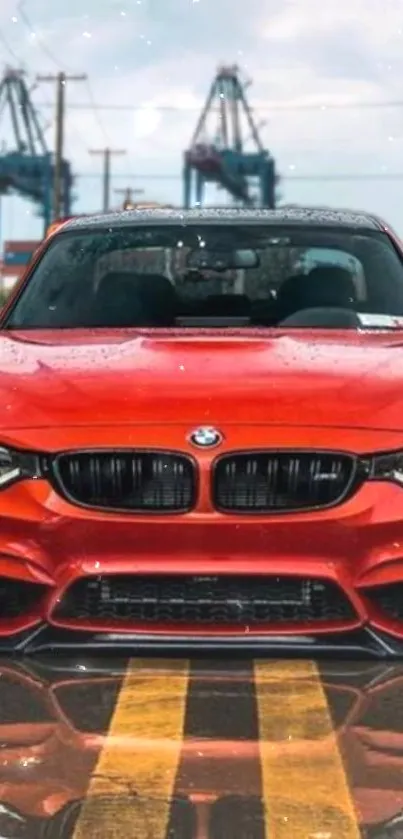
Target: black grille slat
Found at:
x=281, y=481
x=233, y=600
x=121, y=480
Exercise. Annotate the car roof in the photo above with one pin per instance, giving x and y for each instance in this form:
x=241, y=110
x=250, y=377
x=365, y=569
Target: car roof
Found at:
x=326, y=217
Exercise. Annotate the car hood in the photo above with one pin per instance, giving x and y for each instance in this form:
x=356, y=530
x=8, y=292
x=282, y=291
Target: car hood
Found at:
x=73, y=378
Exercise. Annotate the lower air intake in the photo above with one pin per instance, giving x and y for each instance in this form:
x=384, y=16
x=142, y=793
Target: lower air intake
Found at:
x=388, y=599
x=203, y=601
x=18, y=598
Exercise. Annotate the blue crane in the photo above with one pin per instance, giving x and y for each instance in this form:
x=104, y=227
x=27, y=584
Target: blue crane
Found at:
x=28, y=169
x=220, y=156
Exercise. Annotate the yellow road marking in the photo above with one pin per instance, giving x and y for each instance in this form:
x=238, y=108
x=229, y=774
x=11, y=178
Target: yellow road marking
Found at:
x=130, y=792
x=305, y=789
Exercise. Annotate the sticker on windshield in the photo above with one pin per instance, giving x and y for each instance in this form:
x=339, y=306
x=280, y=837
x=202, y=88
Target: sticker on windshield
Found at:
x=380, y=321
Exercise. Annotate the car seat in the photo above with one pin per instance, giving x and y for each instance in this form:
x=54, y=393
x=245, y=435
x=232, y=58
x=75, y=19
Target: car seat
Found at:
x=324, y=286
x=159, y=299
x=290, y=296
x=126, y=300
x=330, y=285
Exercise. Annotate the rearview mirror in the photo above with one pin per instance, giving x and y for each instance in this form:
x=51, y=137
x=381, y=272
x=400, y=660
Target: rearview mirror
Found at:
x=222, y=260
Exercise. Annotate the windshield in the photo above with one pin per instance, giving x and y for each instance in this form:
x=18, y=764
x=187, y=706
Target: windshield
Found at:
x=168, y=276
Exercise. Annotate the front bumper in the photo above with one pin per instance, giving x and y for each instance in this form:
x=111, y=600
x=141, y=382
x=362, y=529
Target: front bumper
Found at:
x=50, y=544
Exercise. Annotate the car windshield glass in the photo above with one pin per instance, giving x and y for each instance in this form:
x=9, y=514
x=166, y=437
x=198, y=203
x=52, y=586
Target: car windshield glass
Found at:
x=164, y=276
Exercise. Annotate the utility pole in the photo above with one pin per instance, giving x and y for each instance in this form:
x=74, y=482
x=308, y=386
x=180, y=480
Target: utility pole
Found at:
x=107, y=154
x=129, y=193
x=60, y=79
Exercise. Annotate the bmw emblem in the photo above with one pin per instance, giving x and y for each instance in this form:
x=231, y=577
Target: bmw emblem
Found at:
x=206, y=437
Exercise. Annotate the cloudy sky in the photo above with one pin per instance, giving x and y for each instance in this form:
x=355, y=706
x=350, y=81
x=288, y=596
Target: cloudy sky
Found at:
x=327, y=89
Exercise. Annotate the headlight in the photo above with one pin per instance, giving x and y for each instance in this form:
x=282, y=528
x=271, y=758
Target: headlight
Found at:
x=15, y=466
x=386, y=467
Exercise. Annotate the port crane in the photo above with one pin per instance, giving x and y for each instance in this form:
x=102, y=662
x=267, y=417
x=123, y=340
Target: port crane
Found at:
x=220, y=152
x=28, y=168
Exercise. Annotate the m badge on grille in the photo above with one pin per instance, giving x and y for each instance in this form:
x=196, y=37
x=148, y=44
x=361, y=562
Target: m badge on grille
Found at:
x=206, y=437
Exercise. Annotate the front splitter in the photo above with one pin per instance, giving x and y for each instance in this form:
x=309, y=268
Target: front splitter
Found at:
x=363, y=643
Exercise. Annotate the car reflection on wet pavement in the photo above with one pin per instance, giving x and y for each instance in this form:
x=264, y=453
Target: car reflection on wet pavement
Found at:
x=149, y=749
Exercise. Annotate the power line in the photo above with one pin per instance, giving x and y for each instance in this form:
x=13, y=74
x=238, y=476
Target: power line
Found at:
x=370, y=176
x=61, y=67
x=41, y=42
x=9, y=49
x=261, y=107
x=128, y=177
x=347, y=177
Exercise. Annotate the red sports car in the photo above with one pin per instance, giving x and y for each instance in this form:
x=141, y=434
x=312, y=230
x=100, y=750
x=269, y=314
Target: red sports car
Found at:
x=202, y=434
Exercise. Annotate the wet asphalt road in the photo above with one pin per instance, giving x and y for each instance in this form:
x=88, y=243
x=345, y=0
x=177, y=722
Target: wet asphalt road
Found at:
x=147, y=749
